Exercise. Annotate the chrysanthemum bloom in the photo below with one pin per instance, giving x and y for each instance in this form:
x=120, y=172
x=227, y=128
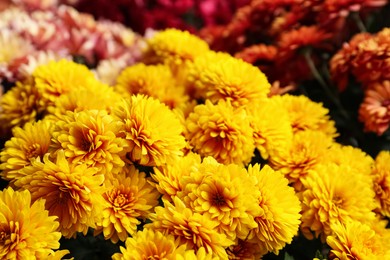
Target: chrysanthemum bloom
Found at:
x=221, y=131
x=13, y=46
x=317, y=119
x=27, y=231
x=334, y=194
x=372, y=62
x=279, y=219
x=292, y=43
x=225, y=194
x=95, y=96
x=168, y=177
x=352, y=156
x=90, y=137
x=308, y=149
x=268, y=134
x=189, y=227
x=129, y=198
x=156, y=81
x=59, y=77
x=219, y=76
x=355, y=240
x=374, y=112
x=174, y=47
x=341, y=63
x=72, y=192
x=151, y=130
x=19, y=105
x=28, y=143
x=150, y=244
x=381, y=175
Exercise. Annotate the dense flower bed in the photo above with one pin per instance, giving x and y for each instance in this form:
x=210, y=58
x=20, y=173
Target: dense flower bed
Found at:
x=168, y=145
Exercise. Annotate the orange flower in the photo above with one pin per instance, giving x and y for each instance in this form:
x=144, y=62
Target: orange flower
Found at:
x=374, y=112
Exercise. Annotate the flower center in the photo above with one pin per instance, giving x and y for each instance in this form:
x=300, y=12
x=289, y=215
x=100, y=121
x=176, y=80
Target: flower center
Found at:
x=338, y=201
x=9, y=234
x=219, y=199
x=120, y=200
x=33, y=151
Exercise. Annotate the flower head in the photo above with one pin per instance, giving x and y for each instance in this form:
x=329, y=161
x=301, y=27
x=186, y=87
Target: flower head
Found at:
x=225, y=194
x=308, y=149
x=334, y=194
x=59, y=77
x=174, y=47
x=152, y=131
x=374, y=112
x=279, y=218
x=189, y=227
x=355, y=240
x=381, y=176
x=298, y=106
x=72, y=192
x=149, y=243
x=155, y=81
x=221, y=131
x=168, y=177
x=90, y=137
x=219, y=76
x=94, y=96
x=26, y=229
x=28, y=143
x=13, y=46
x=129, y=198
x=19, y=105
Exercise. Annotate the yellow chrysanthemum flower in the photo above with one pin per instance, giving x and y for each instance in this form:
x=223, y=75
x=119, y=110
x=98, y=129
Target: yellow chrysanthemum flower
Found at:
x=28, y=143
x=334, y=193
x=191, y=228
x=381, y=176
x=26, y=229
x=352, y=156
x=168, y=177
x=225, y=194
x=174, y=47
x=94, y=96
x=307, y=115
x=279, y=219
x=270, y=135
x=354, y=241
x=72, y=192
x=150, y=244
x=129, y=198
x=59, y=77
x=155, y=81
x=219, y=76
x=221, y=131
x=19, y=105
x=308, y=149
x=152, y=131
x=90, y=137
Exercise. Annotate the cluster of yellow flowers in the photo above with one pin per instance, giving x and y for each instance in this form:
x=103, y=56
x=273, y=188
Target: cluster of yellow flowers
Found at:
x=167, y=161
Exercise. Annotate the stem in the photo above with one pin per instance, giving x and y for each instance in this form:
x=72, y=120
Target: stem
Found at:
x=358, y=21
x=324, y=86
